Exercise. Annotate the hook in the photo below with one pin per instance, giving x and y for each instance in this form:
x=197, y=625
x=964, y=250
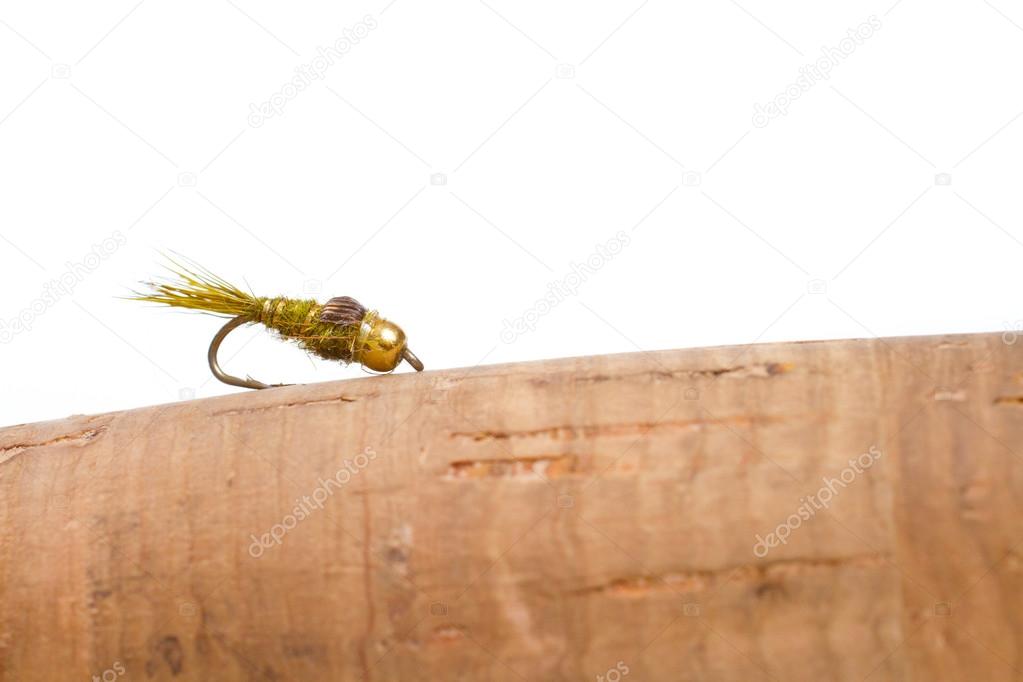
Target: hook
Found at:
x=411, y=359
x=247, y=382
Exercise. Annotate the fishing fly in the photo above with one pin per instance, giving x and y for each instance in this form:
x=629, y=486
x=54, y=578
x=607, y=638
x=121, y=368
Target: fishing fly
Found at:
x=341, y=329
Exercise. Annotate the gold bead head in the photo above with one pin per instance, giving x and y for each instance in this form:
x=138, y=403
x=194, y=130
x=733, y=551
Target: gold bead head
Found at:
x=382, y=345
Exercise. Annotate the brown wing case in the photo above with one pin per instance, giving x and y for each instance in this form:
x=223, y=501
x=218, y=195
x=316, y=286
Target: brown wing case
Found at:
x=343, y=310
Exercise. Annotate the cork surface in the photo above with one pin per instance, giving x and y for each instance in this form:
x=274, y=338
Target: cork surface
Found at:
x=839, y=510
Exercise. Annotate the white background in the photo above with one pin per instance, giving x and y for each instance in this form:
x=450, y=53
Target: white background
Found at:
x=551, y=126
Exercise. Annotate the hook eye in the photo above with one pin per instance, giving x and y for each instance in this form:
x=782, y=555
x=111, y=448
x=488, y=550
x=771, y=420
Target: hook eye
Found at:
x=411, y=359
